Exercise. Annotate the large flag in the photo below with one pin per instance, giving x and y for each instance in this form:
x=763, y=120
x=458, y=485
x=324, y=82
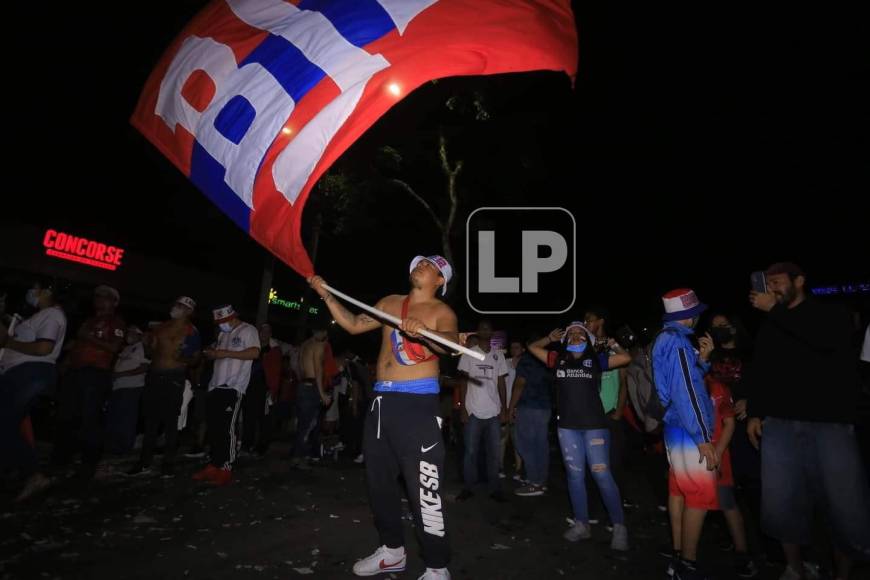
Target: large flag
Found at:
x=255, y=99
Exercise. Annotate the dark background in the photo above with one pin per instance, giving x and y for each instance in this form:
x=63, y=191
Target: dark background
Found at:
x=698, y=144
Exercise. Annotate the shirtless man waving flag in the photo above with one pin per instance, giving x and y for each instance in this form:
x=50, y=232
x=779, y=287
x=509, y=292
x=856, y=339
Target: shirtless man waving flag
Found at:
x=403, y=429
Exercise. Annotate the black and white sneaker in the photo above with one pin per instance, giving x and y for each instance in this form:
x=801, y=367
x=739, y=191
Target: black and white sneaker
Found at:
x=530, y=490
x=138, y=470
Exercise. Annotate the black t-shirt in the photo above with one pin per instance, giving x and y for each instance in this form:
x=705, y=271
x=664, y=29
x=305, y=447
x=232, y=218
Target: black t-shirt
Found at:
x=578, y=381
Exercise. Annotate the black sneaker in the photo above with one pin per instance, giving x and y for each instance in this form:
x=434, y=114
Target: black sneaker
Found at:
x=464, y=495
x=167, y=471
x=138, y=470
x=685, y=570
x=746, y=569
x=530, y=490
x=498, y=497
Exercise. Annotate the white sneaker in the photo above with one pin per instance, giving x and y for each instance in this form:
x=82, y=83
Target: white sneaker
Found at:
x=811, y=572
x=578, y=531
x=360, y=458
x=435, y=574
x=35, y=484
x=383, y=560
x=620, y=538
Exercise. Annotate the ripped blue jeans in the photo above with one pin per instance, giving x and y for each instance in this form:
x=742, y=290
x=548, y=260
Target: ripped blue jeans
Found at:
x=580, y=446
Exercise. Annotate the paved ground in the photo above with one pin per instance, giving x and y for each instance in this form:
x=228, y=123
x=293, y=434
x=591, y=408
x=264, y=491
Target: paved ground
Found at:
x=274, y=523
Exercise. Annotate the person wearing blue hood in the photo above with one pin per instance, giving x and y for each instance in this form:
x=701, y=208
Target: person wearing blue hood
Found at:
x=678, y=370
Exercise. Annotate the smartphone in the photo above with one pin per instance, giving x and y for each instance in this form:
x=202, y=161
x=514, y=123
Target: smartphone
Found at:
x=758, y=281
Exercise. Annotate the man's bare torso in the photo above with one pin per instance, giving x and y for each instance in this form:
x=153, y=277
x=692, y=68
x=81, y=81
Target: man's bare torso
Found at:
x=389, y=369
x=166, y=344
x=309, y=352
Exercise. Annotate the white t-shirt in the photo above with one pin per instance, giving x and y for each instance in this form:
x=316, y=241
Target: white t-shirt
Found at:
x=481, y=399
x=47, y=324
x=865, y=350
x=132, y=357
x=232, y=372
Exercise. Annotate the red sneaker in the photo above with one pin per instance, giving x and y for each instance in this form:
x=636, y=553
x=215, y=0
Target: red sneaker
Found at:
x=221, y=477
x=205, y=474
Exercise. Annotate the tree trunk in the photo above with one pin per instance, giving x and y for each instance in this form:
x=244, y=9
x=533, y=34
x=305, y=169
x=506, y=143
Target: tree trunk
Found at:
x=451, y=173
x=315, y=243
x=265, y=288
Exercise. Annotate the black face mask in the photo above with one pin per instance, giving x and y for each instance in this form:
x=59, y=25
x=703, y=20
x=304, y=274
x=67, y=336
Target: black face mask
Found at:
x=722, y=334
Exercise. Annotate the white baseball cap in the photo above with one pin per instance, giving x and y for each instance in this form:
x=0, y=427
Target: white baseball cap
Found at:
x=439, y=262
x=186, y=301
x=223, y=313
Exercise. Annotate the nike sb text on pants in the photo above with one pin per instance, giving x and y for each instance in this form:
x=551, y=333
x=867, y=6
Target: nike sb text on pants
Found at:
x=403, y=435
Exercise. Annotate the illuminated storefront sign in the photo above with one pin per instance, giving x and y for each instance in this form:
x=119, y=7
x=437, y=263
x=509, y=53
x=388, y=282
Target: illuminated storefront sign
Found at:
x=289, y=304
x=82, y=250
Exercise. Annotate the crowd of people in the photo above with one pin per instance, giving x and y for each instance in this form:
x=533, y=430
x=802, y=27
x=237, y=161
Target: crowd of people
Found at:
x=128, y=388
x=763, y=434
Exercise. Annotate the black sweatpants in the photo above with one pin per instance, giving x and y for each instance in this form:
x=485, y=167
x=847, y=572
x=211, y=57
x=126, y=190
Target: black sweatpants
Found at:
x=256, y=429
x=223, y=411
x=82, y=396
x=403, y=436
x=161, y=402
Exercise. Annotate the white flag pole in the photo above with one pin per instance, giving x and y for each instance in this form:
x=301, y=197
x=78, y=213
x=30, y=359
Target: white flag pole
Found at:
x=398, y=322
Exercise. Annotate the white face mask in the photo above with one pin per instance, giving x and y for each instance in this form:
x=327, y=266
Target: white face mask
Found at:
x=32, y=297
x=225, y=326
x=176, y=312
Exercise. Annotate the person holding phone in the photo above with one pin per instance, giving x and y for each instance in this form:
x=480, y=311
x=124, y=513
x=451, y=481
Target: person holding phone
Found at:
x=803, y=393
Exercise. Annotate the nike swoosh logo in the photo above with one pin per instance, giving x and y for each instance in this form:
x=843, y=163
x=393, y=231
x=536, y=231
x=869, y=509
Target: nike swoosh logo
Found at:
x=425, y=449
x=384, y=565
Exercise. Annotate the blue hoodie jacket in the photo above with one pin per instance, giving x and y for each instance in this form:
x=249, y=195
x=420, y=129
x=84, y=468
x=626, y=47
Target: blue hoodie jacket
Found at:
x=679, y=378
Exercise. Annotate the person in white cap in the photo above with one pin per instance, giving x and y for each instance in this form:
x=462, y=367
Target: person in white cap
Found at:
x=403, y=427
x=238, y=345
x=678, y=370
x=582, y=424
x=172, y=346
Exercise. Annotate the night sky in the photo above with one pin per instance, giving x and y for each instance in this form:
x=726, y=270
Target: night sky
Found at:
x=698, y=145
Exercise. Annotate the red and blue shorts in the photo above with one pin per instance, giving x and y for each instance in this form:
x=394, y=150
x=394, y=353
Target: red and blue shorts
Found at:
x=688, y=476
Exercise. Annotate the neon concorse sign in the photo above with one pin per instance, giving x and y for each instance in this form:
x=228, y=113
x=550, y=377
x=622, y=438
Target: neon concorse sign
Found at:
x=82, y=250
